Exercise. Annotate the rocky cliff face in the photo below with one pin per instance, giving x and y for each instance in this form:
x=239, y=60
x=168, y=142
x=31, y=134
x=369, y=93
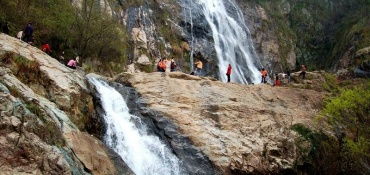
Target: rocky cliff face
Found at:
x=241, y=129
x=44, y=109
x=288, y=33
x=285, y=33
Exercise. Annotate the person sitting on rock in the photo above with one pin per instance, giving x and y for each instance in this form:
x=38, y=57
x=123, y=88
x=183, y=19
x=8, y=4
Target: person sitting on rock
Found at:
x=277, y=81
x=72, y=64
x=46, y=48
x=303, y=71
x=198, y=67
x=173, y=65
x=228, y=73
x=264, y=74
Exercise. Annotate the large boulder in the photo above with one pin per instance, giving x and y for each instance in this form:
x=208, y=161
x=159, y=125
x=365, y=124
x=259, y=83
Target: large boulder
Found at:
x=47, y=77
x=45, y=107
x=241, y=129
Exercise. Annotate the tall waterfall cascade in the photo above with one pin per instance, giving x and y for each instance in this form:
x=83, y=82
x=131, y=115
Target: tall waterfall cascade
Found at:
x=233, y=43
x=145, y=154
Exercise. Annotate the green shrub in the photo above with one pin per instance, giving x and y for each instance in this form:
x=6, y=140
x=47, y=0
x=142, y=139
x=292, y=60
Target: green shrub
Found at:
x=331, y=83
x=347, y=151
x=88, y=32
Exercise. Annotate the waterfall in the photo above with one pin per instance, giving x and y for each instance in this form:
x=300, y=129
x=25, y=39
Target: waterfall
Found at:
x=232, y=40
x=145, y=154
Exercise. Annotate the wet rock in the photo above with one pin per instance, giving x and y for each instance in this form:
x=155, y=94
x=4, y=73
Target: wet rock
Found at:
x=193, y=161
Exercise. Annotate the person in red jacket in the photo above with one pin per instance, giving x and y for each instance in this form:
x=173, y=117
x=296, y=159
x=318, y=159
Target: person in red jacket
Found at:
x=277, y=81
x=228, y=73
x=46, y=48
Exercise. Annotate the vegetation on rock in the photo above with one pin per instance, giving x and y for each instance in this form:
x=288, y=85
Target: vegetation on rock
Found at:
x=87, y=32
x=345, y=149
x=323, y=32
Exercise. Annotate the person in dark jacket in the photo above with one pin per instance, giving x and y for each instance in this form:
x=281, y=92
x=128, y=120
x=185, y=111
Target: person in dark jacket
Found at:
x=5, y=28
x=288, y=76
x=303, y=71
x=28, y=33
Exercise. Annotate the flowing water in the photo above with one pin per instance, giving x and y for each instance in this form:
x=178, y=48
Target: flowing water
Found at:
x=232, y=40
x=145, y=154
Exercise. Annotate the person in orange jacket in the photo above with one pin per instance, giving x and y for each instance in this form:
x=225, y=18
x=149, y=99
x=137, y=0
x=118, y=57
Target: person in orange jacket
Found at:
x=228, y=73
x=161, y=66
x=264, y=74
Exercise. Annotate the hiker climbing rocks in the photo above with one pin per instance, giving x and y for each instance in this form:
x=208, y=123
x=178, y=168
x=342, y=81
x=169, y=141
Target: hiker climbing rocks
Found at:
x=28, y=33
x=72, y=64
x=173, y=65
x=303, y=71
x=46, y=48
x=198, y=67
x=228, y=73
x=264, y=74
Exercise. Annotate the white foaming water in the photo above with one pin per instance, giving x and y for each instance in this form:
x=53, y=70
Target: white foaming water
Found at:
x=144, y=154
x=232, y=41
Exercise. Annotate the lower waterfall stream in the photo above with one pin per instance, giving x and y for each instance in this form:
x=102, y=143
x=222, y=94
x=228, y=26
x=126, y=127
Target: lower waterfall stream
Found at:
x=145, y=154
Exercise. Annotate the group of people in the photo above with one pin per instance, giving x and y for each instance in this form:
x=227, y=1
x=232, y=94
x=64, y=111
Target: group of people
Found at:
x=277, y=81
x=163, y=65
x=166, y=65
x=26, y=35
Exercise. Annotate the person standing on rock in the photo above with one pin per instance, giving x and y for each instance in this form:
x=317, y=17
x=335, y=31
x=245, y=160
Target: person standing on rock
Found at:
x=168, y=65
x=28, y=33
x=173, y=65
x=264, y=74
x=288, y=76
x=161, y=66
x=228, y=73
x=303, y=71
x=198, y=67
x=5, y=28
